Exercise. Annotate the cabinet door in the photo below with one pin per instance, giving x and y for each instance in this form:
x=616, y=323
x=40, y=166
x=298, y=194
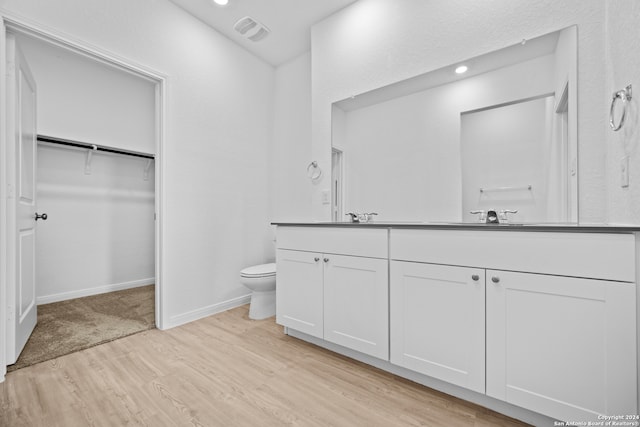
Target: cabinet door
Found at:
x=437, y=322
x=561, y=346
x=299, y=291
x=356, y=304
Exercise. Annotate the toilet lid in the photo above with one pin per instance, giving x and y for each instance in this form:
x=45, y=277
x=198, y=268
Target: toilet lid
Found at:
x=261, y=270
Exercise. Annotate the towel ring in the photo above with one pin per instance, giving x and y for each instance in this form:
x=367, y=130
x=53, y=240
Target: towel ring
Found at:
x=625, y=96
x=313, y=171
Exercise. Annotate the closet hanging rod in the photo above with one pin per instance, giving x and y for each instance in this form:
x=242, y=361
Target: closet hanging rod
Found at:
x=69, y=143
x=509, y=188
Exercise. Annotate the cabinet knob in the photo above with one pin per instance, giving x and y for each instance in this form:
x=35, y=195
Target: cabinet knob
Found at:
x=316, y=259
x=495, y=279
x=475, y=277
x=326, y=260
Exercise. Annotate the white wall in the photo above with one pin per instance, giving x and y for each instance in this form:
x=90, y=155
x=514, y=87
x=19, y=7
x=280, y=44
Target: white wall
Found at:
x=99, y=235
x=623, y=68
x=214, y=159
x=403, y=156
x=290, y=189
x=85, y=100
x=507, y=147
x=373, y=43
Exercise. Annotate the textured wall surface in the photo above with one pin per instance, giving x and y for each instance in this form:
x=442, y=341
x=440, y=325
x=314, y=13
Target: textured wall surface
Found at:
x=219, y=121
x=290, y=189
x=623, y=68
x=100, y=233
x=85, y=100
x=373, y=43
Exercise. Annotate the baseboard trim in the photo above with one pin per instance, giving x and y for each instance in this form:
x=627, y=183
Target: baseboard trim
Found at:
x=181, y=319
x=94, y=291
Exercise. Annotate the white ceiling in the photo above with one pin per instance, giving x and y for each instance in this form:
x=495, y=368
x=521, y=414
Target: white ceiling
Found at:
x=290, y=22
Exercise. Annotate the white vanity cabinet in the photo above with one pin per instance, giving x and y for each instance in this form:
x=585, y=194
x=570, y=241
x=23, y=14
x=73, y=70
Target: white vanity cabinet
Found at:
x=437, y=322
x=299, y=290
x=562, y=346
x=356, y=304
x=333, y=284
x=537, y=324
x=560, y=316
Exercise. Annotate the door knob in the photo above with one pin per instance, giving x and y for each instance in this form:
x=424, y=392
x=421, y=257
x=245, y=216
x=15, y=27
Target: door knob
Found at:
x=42, y=217
x=475, y=277
x=495, y=279
x=326, y=260
x=316, y=259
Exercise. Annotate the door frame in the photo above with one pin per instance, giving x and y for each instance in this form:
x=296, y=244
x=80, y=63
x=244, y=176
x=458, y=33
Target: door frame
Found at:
x=337, y=184
x=14, y=24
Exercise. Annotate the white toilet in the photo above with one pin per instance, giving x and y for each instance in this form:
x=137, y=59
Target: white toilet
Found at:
x=261, y=279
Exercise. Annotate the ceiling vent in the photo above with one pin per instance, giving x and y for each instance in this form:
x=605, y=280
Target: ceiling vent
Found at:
x=251, y=29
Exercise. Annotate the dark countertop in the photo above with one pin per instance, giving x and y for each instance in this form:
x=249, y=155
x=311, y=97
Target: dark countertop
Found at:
x=537, y=227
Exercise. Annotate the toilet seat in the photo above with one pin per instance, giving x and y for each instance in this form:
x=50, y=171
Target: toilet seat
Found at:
x=258, y=271
x=261, y=280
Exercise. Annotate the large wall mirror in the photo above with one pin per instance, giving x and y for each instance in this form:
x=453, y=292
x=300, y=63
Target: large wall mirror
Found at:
x=500, y=136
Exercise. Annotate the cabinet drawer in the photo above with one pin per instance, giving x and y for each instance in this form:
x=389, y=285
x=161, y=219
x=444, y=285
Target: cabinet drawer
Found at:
x=364, y=242
x=592, y=255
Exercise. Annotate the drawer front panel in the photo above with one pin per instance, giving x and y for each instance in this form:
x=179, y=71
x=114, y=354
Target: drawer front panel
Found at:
x=593, y=255
x=365, y=242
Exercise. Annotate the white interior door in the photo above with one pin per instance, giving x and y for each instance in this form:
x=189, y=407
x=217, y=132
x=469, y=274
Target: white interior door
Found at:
x=22, y=134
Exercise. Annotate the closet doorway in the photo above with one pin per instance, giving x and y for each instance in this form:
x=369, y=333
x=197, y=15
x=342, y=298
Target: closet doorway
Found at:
x=99, y=133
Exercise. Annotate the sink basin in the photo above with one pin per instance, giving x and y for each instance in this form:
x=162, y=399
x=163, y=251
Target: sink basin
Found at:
x=480, y=224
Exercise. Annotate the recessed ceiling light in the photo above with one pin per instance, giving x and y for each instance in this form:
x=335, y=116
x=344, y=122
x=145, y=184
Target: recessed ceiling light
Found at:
x=221, y=2
x=461, y=69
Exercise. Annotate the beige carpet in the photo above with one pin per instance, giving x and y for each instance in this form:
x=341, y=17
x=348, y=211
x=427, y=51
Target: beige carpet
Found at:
x=68, y=326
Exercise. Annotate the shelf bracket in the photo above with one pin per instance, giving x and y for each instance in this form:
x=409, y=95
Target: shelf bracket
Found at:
x=87, y=161
x=145, y=175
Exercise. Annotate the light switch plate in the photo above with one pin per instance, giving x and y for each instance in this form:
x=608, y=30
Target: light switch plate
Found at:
x=624, y=172
x=326, y=197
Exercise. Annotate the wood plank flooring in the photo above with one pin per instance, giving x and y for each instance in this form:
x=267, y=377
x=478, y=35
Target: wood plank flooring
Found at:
x=224, y=370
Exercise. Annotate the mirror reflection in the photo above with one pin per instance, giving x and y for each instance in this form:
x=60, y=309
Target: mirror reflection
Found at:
x=500, y=136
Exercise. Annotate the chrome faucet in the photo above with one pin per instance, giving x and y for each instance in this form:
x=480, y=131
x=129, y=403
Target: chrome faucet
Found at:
x=491, y=217
x=361, y=217
x=353, y=216
x=503, y=214
x=482, y=215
